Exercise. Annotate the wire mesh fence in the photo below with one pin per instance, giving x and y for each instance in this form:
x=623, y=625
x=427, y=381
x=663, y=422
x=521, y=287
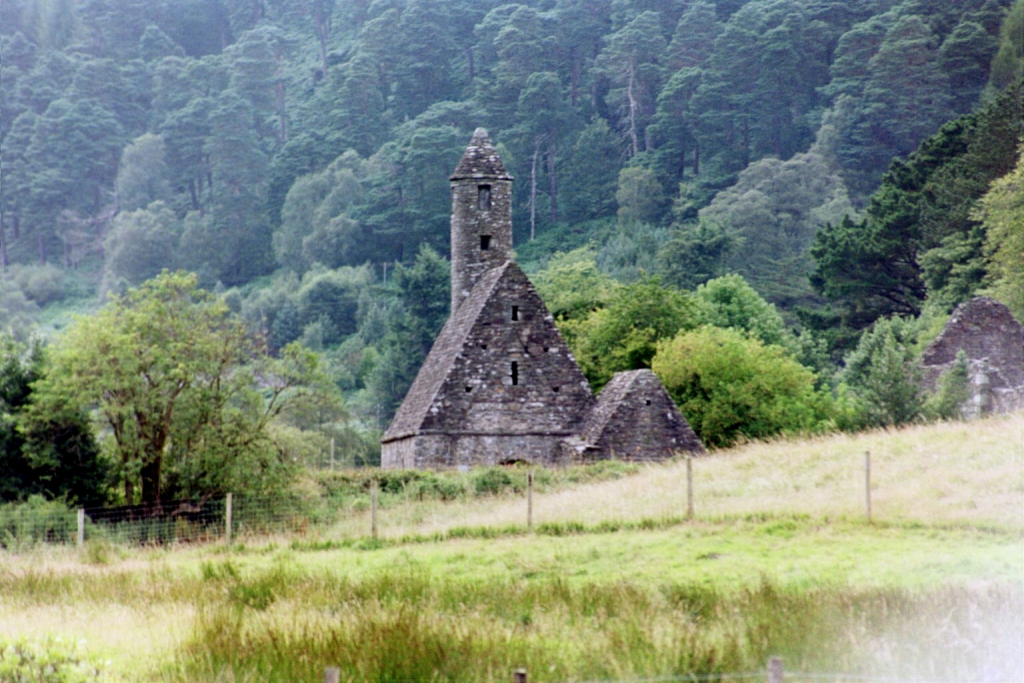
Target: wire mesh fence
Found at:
x=172, y=522
x=181, y=521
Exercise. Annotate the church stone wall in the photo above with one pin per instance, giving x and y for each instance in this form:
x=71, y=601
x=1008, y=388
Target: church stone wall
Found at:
x=398, y=454
x=446, y=451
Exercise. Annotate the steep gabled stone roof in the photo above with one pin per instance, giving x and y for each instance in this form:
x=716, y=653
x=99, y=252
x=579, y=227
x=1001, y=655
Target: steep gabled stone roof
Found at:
x=635, y=418
x=480, y=160
x=446, y=348
x=499, y=366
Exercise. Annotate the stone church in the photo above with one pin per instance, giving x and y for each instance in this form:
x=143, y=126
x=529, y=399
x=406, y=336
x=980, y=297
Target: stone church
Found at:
x=500, y=385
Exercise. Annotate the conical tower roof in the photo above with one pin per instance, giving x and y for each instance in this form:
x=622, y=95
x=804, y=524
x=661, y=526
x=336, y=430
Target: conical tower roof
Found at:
x=481, y=160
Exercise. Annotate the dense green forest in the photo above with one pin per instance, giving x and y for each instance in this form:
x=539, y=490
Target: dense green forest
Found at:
x=787, y=172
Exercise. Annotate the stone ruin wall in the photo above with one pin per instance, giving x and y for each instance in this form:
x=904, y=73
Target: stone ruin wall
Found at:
x=994, y=343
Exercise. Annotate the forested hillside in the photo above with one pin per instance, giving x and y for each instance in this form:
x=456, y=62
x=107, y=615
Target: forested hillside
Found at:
x=295, y=155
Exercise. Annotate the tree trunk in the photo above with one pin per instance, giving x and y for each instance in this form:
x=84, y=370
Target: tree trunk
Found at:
x=574, y=81
x=150, y=475
x=16, y=226
x=552, y=182
x=696, y=157
x=470, y=64
x=533, y=190
x=42, y=250
x=633, y=137
x=280, y=107
x=3, y=251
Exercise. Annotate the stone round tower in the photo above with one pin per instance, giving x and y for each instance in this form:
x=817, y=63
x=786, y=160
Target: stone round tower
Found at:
x=481, y=215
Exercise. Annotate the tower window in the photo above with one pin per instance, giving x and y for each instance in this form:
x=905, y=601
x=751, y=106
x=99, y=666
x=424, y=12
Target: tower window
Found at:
x=469, y=389
x=647, y=402
x=485, y=242
x=515, y=313
x=483, y=197
x=515, y=373
x=554, y=389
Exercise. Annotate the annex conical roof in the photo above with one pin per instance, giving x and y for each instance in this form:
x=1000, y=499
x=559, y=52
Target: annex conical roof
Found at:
x=634, y=418
x=480, y=160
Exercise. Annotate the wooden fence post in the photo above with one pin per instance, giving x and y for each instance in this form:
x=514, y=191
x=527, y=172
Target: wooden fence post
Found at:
x=80, y=538
x=867, y=484
x=373, y=509
x=332, y=674
x=228, y=511
x=775, y=670
x=529, y=519
x=519, y=676
x=689, y=487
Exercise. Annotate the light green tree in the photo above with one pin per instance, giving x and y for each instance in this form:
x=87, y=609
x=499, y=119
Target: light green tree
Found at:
x=883, y=377
x=730, y=387
x=184, y=392
x=143, y=176
x=1002, y=214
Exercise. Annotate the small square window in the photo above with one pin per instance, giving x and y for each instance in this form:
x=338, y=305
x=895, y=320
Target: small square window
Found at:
x=469, y=389
x=483, y=197
x=647, y=402
x=485, y=242
x=554, y=389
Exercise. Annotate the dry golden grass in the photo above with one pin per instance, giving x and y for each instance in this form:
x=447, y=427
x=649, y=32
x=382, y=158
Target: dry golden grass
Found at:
x=953, y=473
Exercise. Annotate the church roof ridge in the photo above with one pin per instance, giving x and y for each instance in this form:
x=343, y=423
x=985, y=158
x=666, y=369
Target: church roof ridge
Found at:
x=480, y=160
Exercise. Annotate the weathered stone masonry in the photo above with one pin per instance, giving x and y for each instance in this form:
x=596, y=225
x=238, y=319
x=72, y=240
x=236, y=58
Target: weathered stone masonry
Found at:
x=500, y=384
x=994, y=343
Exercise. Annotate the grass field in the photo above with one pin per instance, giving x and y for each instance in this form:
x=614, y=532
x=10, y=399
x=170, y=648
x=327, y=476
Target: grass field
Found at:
x=612, y=584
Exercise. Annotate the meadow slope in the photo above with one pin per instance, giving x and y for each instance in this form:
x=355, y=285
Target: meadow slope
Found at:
x=612, y=584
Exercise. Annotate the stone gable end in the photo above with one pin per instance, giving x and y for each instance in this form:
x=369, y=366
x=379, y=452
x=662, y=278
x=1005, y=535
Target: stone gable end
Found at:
x=634, y=419
x=514, y=373
x=993, y=340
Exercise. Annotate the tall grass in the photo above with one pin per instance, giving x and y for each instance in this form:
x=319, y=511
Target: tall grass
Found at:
x=287, y=625
x=960, y=473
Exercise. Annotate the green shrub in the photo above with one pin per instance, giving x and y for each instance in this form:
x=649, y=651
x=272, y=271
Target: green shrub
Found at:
x=491, y=481
x=36, y=521
x=953, y=392
x=882, y=376
x=42, y=284
x=49, y=661
x=731, y=387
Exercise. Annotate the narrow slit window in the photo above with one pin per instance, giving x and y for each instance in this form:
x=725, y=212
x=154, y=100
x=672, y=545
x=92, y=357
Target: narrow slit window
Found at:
x=485, y=242
x=515, y=313
x=515, y=373
x=483, y=197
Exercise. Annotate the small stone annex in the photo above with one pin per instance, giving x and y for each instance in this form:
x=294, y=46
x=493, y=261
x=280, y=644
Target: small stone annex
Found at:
x=500, y=385
x=993, y=340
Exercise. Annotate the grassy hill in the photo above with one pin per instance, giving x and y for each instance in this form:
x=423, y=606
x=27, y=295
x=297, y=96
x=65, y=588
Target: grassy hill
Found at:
x=613, y=583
